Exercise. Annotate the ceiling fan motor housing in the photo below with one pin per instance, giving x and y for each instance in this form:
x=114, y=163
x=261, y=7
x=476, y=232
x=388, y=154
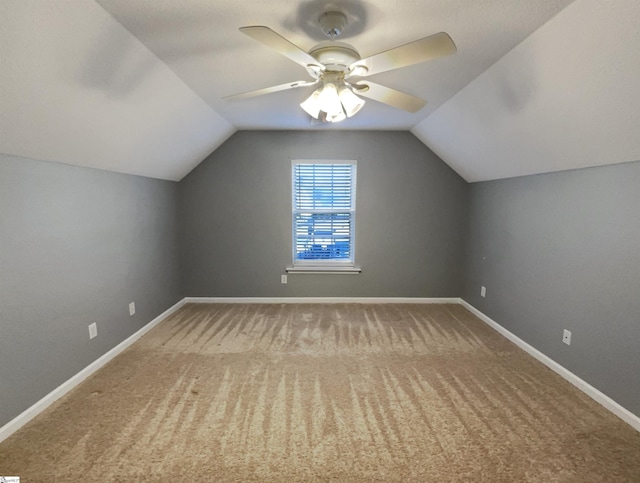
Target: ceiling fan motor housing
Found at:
x=335, y=56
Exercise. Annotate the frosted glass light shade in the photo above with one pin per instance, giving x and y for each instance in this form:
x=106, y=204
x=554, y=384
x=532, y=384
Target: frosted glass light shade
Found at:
x=312, y=104
x=337, y=117
x=329, y=101
x=350, y=102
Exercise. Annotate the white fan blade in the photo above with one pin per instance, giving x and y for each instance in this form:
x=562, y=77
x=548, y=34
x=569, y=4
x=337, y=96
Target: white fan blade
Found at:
x=269, y=90
x=278, y=43
x=391, y=97
x=428, y=48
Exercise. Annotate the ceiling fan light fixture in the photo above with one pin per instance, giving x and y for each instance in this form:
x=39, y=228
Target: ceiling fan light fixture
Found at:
x=332, y=103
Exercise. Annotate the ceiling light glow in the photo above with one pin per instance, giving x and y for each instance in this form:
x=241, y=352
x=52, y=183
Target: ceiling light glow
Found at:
x=333, y=102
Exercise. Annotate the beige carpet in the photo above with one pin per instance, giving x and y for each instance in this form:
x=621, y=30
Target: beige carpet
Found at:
x=326, y=392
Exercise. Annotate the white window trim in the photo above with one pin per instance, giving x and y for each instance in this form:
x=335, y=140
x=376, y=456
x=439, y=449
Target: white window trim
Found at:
x=333, y=267
x=329, y=270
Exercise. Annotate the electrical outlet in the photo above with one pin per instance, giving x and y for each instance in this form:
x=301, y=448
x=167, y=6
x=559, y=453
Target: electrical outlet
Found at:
x=483, y=291
x=566, y=337
x=283, y=279
x=93, y=330
x=132, y=308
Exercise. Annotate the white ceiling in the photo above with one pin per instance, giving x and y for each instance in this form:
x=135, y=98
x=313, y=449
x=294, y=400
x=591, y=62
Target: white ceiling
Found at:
x=567, y=97
x=135, y=85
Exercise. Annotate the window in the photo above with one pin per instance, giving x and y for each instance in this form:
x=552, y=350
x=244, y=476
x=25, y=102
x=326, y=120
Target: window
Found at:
x=324, y=210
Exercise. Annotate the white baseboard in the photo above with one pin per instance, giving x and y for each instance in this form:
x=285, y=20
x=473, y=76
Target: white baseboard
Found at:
x=601, y=398
x=30, y=413
x=321, y=300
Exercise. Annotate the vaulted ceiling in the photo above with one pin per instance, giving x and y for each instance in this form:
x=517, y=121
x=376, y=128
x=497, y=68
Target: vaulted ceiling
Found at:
x=136, y=86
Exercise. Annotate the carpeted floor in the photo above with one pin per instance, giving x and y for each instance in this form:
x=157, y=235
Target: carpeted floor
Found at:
x=323, y=392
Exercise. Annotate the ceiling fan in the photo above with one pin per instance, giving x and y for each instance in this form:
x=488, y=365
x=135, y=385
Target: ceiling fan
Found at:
x=339, y=70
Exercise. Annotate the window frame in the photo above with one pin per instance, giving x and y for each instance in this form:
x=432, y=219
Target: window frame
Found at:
x=325, y=265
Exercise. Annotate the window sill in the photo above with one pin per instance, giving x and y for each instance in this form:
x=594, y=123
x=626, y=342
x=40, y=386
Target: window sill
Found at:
x=329, y=270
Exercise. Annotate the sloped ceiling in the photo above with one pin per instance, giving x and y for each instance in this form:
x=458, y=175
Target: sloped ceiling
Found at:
x=76, y=87
x=566, y=97
x=136, y=86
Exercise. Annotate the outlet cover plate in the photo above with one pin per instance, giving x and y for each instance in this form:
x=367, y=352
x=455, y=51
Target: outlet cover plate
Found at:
x=93, y=330
x=566, y=337
x=132, y=308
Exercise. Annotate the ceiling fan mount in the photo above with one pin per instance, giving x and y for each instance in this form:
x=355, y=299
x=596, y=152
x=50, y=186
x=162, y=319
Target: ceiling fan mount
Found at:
x=332, y=23
x=338, y=66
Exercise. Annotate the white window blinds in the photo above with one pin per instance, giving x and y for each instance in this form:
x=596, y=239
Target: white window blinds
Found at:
x=323, y=212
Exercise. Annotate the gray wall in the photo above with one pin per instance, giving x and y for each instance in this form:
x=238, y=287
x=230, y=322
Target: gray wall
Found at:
x=560, y=251
x=76, y=246
x=235, y=217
